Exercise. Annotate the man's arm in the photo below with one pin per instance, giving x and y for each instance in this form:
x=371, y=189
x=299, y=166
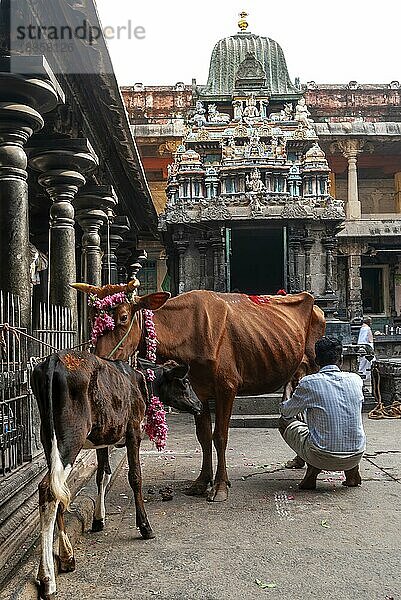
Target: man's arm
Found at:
x=298, y=402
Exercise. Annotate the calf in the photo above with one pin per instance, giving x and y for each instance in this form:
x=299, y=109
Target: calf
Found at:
x=171, y=385
x=84, y=401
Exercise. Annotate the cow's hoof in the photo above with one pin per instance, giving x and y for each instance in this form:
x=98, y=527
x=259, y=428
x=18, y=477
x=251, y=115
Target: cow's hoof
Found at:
x=65, y=565
x=307, y=485
x=218, y=493
x=198, y=488
x=146, y=532
x=97, y=525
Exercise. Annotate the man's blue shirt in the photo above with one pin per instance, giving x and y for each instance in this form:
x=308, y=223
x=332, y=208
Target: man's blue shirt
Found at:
x=331, y=400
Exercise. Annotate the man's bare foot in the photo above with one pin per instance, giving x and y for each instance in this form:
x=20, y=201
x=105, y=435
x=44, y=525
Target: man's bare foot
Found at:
x=352, y=477
x=309, y=481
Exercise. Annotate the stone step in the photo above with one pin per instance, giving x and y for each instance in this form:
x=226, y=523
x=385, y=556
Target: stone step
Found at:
x=267, y=404
x=248, y=421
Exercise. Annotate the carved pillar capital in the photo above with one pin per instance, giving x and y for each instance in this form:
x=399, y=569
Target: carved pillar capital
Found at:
x=62, y=165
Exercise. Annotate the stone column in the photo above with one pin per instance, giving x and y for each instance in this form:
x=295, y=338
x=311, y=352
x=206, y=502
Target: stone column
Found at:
x=397, y=195
x=351, y=148
x=202, y=248
x=294, y=246
x=329, y=243
x=118, y=228
x=22, y=101
x=354, y=252
x=219, y=279
x=62, y=166
x=181, y=244
x=307, y=243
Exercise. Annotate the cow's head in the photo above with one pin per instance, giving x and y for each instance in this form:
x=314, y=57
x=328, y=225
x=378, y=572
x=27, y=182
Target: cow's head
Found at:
x=175, y=389
x=114, y=311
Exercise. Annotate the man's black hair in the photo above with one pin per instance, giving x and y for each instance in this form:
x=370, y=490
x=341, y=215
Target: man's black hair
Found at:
x=328, y=351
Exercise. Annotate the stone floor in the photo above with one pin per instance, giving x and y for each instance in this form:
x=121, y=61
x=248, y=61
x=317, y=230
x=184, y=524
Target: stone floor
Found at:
x=269, y=540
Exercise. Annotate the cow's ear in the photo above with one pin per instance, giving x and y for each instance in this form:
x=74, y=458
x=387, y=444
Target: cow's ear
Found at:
x=173, y=370
x=153, y=301
x=178, y=371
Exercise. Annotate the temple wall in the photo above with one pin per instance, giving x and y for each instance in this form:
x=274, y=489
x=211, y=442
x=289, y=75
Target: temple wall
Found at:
x=377, y=196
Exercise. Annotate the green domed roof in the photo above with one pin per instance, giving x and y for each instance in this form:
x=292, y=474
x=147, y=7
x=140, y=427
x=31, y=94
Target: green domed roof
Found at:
x=230, y=52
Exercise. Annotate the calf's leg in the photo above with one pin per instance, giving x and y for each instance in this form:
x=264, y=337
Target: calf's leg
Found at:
x=133, y=440
x=47, y=511
x=66, y=560
x=103, y=476
x=203, y=424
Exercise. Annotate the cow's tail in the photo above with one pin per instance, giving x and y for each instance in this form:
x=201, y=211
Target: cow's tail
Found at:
x=58, y=472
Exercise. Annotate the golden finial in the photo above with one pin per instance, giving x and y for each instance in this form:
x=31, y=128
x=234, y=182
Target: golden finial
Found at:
x=243, y=23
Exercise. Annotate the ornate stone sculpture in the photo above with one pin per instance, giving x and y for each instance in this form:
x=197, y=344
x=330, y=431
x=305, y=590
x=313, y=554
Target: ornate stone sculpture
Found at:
x=302, y=114
x=214, y=116
x=251, y=112
x=199, y=118
x=254, y=183
x=237, y=104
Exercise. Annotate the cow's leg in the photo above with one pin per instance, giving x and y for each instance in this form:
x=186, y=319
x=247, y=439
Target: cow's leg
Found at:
x=47, y=511
x=203, y=424
x=103, y=476
x=133, y=440
x=66, y=560
x=224, y=405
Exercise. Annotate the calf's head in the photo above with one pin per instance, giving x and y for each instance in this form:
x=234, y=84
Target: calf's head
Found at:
x=114, y=314
x=175, y=389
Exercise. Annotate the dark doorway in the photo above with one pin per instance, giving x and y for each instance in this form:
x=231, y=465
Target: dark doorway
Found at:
x=257, y=260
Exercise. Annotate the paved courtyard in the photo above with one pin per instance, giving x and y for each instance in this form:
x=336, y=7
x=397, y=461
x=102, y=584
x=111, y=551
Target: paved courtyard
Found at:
x=268, y=541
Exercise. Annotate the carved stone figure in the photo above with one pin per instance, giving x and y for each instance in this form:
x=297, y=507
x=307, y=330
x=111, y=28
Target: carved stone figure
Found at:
x=237, y=104
x=278, y=147
x=228, y=148
x=302, y=114
x=199, y=118
x=254, y=183
x=251, y=112
x=214, y=116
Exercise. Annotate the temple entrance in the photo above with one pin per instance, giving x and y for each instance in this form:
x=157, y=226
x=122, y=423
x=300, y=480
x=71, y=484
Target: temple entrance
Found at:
x=257, y=260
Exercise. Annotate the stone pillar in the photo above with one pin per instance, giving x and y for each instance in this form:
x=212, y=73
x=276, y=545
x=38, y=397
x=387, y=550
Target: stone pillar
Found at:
x=354, y=252
x=108, y=203
x=332, y=181
x=202, y=248
x=397, y=195
x=22, y=101
x=90, y=218
x=329, y=243
x=351, y=148
x=294, y=247
x=181, y=243
x=307, y=243
x=219, y=278
x=118, y=228
x=62, y=166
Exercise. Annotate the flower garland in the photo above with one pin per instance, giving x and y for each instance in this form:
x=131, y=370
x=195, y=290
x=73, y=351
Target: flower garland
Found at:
x=104, y=321
x=155, y=427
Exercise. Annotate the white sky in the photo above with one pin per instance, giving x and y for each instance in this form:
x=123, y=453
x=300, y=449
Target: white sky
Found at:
x=328, y=41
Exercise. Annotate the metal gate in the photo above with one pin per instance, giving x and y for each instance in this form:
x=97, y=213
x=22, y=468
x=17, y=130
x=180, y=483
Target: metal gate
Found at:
x=15, y=412
x=52, y=325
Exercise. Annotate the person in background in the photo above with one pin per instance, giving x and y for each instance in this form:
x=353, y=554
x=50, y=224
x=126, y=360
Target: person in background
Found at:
x=332, y=438
x=365, y=337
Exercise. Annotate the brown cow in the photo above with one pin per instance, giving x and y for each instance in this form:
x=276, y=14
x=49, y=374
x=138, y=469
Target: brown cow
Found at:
x=233, y=346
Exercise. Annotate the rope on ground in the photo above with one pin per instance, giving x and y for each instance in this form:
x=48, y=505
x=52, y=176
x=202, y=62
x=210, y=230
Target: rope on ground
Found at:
x=393, y=411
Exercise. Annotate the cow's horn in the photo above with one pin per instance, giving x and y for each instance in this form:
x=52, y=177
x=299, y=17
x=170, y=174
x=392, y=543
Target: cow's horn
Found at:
x=85, y=288
x=133, y=284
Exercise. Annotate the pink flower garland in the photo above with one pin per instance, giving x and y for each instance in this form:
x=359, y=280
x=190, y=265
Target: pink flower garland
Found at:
x=104, y=321
x=155, y=427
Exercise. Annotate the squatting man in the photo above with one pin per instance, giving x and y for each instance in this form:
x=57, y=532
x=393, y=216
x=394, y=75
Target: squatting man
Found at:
x=332, y=437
